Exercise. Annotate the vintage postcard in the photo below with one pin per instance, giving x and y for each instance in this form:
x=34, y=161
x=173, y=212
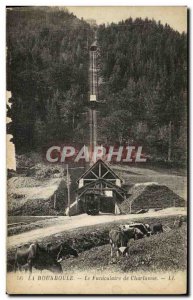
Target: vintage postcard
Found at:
x=97, y=121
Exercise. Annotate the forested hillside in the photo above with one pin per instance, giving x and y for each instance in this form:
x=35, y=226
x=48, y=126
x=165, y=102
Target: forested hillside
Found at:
x=47, y=67
x=144, y=73
x=142, y=79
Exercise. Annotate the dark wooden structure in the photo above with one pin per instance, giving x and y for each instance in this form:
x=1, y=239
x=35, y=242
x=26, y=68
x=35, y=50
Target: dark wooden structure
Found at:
x=99, y=191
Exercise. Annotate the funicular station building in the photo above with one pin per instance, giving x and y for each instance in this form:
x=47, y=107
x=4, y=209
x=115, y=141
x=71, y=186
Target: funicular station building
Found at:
x=99, y=191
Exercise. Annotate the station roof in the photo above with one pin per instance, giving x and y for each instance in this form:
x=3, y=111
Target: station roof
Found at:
x=101, y=169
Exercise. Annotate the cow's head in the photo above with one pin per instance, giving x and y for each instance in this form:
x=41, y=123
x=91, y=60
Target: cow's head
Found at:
x=125, y=227
x=138, y=234
x=65, y=250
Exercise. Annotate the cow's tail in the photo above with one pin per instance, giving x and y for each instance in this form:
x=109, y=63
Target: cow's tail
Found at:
x=58, y=256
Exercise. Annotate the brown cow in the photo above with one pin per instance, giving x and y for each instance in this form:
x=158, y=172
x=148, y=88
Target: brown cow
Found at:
x=136, y=235
x=121, y=236
x=37, y=257
x=157, y=228
x=182, y=220
x=144, y=228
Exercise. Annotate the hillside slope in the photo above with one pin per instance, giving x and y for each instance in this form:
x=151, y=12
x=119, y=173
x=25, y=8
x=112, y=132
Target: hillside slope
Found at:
x=143, y=79
x=150, y=196
x=47, y=74
x=143, y=70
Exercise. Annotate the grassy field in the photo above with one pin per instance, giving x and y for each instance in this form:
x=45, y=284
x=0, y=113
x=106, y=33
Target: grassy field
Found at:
x=165, y=251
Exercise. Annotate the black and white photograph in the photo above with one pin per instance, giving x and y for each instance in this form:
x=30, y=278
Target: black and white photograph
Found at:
x=97, y=150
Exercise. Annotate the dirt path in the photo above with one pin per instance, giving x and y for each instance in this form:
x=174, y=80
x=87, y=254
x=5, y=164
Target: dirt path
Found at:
x=69, y=223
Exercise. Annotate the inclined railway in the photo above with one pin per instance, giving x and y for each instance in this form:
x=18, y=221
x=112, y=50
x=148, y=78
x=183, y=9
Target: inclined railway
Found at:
x=93, y=95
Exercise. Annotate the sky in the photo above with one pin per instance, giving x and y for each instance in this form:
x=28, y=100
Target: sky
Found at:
x=175, y=16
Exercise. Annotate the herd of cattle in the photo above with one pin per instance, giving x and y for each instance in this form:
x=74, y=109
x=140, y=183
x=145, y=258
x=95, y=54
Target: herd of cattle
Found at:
x=50, y=257
x=120, y=237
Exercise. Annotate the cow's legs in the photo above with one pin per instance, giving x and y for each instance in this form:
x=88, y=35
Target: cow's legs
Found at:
x=112, y=245
x=26, y=267
x=19, y=267
x=111, y=250
x=117, y=252
x=15, y=266
x=30, y=266
x=127, y=252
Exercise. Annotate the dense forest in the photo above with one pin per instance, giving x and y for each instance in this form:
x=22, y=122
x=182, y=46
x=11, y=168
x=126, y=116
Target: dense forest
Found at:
x=142, y=79
x=47, y=74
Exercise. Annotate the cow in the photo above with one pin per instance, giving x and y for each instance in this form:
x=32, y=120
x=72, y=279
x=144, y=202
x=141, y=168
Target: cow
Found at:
x=144, y=228
x=58, y=252
x=117, y=239
x=136, y=234
x=37, y=257
x=157, y=228
x=182, y=219
x=120, y=237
